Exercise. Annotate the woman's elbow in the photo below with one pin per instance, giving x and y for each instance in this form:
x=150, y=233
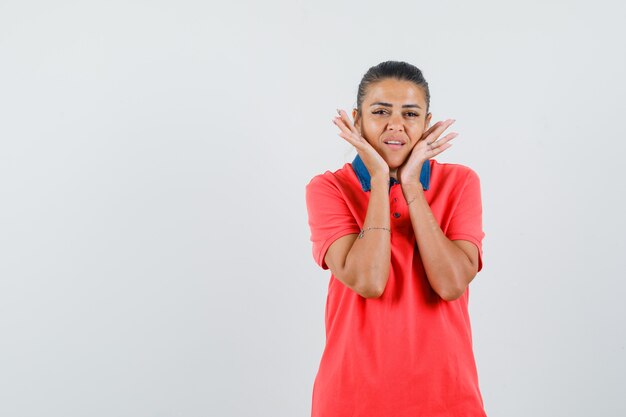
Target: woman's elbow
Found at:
x=371, y=285
x=371, y=293
x=451, y=294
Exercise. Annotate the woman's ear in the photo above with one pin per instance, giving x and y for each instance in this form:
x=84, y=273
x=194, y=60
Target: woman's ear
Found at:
x=355, y=118
x=428, y=117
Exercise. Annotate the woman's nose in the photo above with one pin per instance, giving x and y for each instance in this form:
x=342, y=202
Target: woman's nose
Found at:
x=395, y=122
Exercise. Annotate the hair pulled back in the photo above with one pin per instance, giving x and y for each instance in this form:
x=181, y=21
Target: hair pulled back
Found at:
x=398, y=70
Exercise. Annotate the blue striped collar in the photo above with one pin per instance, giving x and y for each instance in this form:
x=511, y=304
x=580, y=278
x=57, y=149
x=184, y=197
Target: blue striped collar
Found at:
x=364, y=176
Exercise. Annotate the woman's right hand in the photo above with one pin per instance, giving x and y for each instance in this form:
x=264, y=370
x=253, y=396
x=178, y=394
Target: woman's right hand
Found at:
x=373, y=161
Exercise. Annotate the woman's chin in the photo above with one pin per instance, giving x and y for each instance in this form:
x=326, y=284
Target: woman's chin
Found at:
x=395, y=163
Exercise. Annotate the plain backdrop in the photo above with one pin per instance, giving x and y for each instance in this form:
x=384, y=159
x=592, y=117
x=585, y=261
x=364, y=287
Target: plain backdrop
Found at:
x=155, y=255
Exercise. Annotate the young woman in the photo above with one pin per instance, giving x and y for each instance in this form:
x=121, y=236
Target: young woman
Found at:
x=402, y=236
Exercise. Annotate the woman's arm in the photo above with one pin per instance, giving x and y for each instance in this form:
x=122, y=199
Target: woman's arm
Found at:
x=450, y=265
x=363, y=264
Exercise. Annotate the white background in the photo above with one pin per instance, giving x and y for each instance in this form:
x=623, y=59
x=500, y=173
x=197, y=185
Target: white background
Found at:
x=155, y=254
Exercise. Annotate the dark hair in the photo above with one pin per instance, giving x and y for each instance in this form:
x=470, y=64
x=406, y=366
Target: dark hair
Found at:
x=398, y=70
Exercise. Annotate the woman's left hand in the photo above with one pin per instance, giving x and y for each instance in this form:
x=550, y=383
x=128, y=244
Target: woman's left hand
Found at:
x=427, y=147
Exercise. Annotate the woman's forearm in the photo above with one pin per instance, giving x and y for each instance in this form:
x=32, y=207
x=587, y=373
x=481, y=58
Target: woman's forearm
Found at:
x=369, y=259
x=446, y=265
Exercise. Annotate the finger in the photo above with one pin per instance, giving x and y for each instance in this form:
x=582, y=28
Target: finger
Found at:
x=439, y=150
x=439, y=130
x=351, y=139
x=345, y=130
x=341, y=125
x=344, y=117
x=444, y=139
x=347, y=139
x=430, y=129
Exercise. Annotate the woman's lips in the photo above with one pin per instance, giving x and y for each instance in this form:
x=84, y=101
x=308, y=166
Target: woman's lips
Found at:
x=394, y=146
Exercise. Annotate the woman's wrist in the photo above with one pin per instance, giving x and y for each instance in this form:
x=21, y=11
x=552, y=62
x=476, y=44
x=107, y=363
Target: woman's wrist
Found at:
x=413, y=175
x=412, y=191
x=380, y=179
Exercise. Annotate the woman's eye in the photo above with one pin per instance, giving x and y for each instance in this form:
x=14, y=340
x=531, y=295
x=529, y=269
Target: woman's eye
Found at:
x=381, y=111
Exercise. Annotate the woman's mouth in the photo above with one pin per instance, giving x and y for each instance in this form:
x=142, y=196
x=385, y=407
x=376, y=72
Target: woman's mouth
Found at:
x=394, y=144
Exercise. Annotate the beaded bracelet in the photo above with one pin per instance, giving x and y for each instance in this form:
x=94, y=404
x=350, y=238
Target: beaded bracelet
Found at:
x=369, y=228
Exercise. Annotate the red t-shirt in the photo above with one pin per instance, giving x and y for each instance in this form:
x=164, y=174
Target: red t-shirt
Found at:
x=408, y=352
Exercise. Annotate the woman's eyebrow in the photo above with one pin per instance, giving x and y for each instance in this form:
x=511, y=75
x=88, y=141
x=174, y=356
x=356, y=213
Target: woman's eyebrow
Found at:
x=381, y=103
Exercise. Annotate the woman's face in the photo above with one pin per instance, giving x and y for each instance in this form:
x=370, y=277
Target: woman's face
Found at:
x=393, y=110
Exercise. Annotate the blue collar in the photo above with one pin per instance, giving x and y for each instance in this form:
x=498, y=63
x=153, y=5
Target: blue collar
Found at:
x=364, y=176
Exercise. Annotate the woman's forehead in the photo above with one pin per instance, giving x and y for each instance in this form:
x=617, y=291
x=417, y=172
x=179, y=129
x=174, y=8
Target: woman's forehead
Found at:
x=395, y=91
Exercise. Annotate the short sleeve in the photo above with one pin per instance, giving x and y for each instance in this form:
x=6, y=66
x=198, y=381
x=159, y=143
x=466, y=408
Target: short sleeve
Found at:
x=329, y=216
x=466, y=219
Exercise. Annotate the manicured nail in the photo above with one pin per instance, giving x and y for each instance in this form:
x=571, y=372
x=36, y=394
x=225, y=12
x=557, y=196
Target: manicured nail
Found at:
x=338, y=112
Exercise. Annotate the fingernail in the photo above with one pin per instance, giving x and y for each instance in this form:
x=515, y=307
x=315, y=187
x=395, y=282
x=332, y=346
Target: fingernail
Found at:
x=338, y=112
